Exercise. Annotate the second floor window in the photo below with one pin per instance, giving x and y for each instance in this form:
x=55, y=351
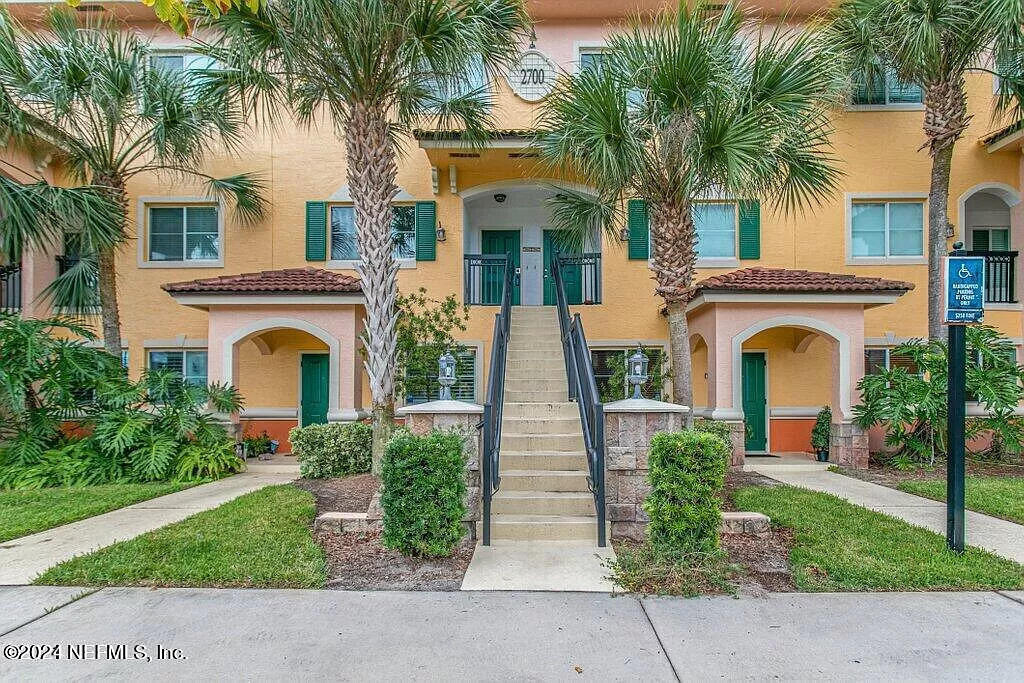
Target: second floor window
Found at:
x=184, y=233
x=887, y=229
x=716, y=229
x=343, y=233
x=883, y=88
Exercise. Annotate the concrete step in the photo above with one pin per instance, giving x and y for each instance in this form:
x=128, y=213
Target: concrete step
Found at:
x=572, y=442
x=568, y=503
x=533, y=354
x=535, y=367
x=554, y=410
x=537, y=397
x=541, y=385
x=543, y=480
x=552, y=460
x=543, y=527
x=524, y=426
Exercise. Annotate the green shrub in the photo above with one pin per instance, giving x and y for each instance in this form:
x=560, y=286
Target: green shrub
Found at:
x=686, y=473
x=334, y=449
x=423, y=483
x=256, y=444
x=719, y=429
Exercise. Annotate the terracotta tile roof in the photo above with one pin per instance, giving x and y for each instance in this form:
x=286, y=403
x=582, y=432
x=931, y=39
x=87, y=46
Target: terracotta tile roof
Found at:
x=458, y=134
x=998, y=135
x=287, y=281
x=785, y=280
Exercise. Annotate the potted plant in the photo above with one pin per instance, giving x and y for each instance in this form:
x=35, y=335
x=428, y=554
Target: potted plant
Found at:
x=822, y=433
x=258, y=445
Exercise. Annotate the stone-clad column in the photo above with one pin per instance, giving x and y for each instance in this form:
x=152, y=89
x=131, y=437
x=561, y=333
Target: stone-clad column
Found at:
x=629, y=427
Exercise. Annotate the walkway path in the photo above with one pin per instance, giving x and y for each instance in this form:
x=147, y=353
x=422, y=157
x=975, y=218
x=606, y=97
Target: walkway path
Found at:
x=391, y=635
x=23, y=559
x=539, y=566
x=991, y=533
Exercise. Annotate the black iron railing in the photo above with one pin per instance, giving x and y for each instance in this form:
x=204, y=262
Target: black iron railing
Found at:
x=484, y=279
x=581, y=274
x=999, y=276
x=10, y=288
x=494, y=405
x=583, y=390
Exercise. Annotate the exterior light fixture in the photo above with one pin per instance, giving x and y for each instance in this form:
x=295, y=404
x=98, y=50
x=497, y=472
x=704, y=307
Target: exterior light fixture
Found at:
x=441, y=234
x=500, y=197
x=624, y=234
x=446, y=375
x=636, y=371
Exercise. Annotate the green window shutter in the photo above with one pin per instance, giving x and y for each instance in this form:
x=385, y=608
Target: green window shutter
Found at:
x=316, y=231
x=750, y=229
x=426, y=231
x=979, y=240
x=639, y=229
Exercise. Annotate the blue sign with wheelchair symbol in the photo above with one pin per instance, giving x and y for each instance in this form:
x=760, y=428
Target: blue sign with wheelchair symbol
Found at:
x=965, y=289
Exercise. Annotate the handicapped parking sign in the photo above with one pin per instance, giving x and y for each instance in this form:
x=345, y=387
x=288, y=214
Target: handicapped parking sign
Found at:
x=965, y=289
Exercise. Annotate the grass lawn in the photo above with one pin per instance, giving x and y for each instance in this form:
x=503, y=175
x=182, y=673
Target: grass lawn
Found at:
x=839, y=546
x=26, y=512
x=261, y=539
x=996, y=496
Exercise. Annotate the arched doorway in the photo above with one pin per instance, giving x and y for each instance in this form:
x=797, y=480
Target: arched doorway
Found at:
x=986, y=228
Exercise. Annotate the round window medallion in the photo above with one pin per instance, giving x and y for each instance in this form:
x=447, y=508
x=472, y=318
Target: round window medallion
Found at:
x=533, y=77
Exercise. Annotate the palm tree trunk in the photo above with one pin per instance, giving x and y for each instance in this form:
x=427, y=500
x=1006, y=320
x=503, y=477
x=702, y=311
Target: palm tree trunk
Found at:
x=945, y=120
x=372, y=173
x=674, y=258
x=106, y=259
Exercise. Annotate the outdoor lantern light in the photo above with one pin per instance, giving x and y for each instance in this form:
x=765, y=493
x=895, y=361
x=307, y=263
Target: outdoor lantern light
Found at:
x=446, y=375
x=441, y=234
x=636, y=370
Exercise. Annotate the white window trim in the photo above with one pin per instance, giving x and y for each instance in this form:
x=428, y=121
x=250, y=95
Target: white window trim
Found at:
x=581, y=46
x=352, y=264
x=852, y=197
x=142, y=219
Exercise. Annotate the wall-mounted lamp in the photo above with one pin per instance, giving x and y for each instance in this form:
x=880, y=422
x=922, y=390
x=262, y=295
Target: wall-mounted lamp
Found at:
x=500, y=197
x=441, y=234
x=624, y=234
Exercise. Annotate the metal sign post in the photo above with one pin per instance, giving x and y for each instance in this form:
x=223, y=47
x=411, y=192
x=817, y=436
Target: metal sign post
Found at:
x=965, y=305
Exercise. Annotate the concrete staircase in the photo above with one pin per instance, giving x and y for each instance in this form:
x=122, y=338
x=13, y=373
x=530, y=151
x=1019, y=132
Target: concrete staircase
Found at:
x=544, y=494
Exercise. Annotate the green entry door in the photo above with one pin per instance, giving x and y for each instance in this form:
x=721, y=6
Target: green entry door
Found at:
x=572, y=275
x=755, y=402
x=315, y=388
x=496, y=243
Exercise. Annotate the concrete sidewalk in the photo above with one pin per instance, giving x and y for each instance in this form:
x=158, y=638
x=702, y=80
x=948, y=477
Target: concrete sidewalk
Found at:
x=991, y=533
x=23, y=559
x=317, y=635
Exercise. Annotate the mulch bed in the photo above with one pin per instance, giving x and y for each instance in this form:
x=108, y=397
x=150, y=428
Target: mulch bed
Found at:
x=359, y=561
x=885, y=475
x=765, y=560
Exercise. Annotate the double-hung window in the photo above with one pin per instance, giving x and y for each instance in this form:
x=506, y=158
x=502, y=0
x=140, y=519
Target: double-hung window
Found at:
x=191, y=365
x=343, y=233
x=881, y=88
x=887, y=229
x=189, y=233
x=715, y=225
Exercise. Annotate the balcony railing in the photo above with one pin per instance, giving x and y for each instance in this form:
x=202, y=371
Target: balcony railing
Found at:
x=484, y=278
x=10, y=288
x=1000, y=267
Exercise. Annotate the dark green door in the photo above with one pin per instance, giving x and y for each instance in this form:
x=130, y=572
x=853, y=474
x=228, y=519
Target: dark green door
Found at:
x=755, y=401
x=496, y=243
x=315, y=388
x=572, y=275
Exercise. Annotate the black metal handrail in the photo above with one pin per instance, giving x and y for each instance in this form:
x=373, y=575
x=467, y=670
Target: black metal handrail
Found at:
x=587, y=269
x=583, y=390
x=10, y=288
x=490, y=454
x=484, y=279
x=1000, y=267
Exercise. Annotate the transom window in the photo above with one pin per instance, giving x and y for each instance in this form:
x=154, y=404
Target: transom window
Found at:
x=884, y=229
x=184, y=233
x=343, y=233
x=715, y=224
x=883, y=88
x=191, y=365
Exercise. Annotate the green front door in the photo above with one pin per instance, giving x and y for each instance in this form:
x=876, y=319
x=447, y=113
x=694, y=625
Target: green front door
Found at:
x=315, y=388
x=572, y=275
x=755, y=401
x=497, y=243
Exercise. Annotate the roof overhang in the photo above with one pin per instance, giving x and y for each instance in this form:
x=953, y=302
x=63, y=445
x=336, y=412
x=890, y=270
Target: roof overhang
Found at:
x=1008, y=139
x=204, y=300
x=865, y=299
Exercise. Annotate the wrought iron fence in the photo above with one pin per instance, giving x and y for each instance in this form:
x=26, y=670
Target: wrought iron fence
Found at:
x=1000, y=267
x=10, y=288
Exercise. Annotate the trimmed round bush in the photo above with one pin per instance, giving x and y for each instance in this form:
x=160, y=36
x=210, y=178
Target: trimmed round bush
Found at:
x=335, y=449
x=423, y=492
x=687, y=474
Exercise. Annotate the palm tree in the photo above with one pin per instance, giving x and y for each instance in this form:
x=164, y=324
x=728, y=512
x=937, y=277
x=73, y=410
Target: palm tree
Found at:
x=934, y=44
x=686, y=107
x=92, y=95
x=376, y=68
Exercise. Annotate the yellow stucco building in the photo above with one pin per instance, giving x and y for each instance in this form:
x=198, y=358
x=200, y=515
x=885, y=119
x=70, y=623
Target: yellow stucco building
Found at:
x=795, y=337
